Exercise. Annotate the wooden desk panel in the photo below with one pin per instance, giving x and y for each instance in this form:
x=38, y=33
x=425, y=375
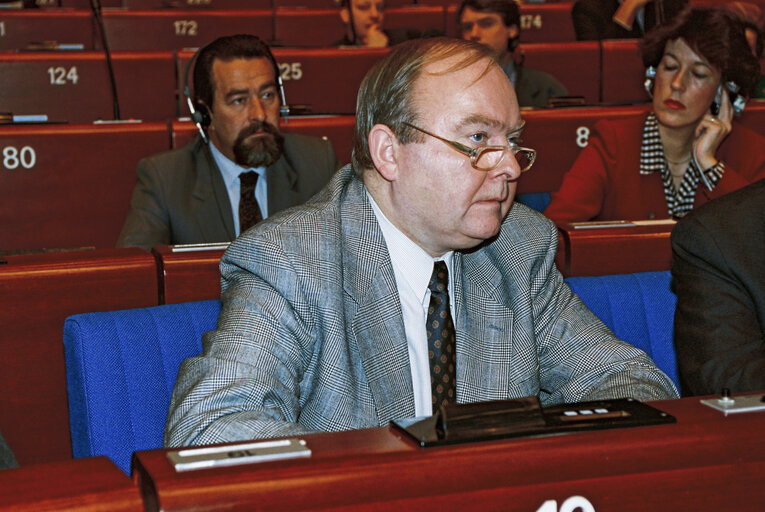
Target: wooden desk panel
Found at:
x=75, y=87
x=614, y=250
x=65, y=186
x=78, y=485
x=576, y=65
x=171, y=29
x=190, y=275
x=622, y=74
x=37, y=293
x=666, y=467
x=20, y=28
x=316, y=28
x=559, y=135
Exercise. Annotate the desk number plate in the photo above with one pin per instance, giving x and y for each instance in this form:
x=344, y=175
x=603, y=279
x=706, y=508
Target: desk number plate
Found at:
x=235, y=454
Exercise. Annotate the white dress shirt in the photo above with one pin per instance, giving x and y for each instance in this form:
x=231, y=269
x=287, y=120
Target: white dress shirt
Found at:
x=412, y=267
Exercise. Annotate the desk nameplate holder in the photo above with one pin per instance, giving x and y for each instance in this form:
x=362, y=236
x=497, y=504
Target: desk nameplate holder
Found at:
x=189, y=459
x=740, y=403
x=524, y=417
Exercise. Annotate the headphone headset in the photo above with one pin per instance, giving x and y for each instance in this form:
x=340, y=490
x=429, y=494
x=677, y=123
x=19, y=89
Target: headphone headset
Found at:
x=650, y=75
x=738, y=101
x=199, y=114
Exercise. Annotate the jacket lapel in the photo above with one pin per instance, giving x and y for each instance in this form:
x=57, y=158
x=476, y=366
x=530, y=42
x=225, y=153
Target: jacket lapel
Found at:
x=484, y=328
x=373, y=308
x=213, y=212
x=281, y=178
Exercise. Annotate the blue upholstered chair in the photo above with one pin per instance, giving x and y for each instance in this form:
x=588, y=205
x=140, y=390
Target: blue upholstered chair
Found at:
x=536, y=200
x=638, y=308
x=121, y=367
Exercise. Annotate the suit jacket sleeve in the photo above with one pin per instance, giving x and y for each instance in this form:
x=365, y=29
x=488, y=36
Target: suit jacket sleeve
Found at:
x=718, y=335
x=744, y=155
x=148, y=222
x=579, y=357
x=246, y=383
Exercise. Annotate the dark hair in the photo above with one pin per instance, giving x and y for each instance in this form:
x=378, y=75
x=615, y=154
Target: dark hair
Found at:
x=508, y=9
x=751, y=17
x=385, y=95
x=227, y=48
x=713, y=33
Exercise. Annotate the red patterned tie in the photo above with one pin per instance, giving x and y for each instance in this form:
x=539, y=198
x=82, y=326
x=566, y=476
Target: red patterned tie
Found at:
x=442, y=351
x=249, y=211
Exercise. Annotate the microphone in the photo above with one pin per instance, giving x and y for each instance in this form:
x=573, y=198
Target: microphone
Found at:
x=95, y=6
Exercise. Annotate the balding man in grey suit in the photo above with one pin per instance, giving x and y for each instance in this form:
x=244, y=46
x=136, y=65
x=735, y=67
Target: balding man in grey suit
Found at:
x=329, y=308
x=194, y=194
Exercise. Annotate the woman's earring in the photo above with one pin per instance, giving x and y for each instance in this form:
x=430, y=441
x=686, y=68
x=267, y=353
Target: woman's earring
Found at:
x=650, y=74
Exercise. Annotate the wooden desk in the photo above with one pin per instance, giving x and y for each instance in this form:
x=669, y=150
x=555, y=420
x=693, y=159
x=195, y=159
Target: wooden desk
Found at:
x=75, y=87
x=187, y=275
x=64, y=26
x=616, y=249
x=173, y=29
x=37, y=293
x=706, y=461
x=83, y=484
x=70, y=185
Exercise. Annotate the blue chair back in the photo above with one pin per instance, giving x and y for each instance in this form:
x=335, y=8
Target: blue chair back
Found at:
x=121, y=368
x=536, y=200
x=639, y=309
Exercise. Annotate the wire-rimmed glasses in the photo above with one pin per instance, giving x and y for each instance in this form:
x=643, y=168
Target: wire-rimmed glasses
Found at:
x=488, y=158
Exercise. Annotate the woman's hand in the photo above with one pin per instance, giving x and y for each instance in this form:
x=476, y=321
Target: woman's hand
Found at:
x=711, y=131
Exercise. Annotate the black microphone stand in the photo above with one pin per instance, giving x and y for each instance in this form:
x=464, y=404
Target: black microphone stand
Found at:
x=95, y=6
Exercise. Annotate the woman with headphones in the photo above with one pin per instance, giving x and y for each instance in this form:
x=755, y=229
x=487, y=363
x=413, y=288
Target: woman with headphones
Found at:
x=687, y=150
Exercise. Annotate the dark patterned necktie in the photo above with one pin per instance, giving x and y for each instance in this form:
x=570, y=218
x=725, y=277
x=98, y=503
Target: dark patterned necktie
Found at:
x=249, y=211
x=442, y=351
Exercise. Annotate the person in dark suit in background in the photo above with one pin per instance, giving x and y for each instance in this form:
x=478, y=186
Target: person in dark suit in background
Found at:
x=621, y=19
x=364, y=21
x=194, y=194
x=718, y=271
x=412, y=280
x=497, y=24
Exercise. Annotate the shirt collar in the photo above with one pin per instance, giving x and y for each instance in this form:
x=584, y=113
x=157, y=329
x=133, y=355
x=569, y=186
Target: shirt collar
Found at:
x=412, y=265
x=229, y=170
x=651, y=151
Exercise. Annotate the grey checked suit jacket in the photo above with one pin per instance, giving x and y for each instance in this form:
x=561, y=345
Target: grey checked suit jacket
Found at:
x=180, y=196
x=311, y=335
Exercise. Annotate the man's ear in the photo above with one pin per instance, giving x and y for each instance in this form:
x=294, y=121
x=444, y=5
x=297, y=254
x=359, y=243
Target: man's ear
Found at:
x=345, y=16
x=383, y=145
x=513, y=31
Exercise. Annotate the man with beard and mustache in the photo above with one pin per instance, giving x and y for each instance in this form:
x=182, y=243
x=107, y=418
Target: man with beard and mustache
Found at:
x=194, y=194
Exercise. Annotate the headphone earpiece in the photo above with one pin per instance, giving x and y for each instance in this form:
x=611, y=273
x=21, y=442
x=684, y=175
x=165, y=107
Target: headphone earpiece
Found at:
x=650, y=74
x=199, y=114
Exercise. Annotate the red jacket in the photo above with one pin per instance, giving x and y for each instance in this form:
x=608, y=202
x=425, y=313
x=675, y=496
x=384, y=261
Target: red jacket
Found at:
x=605, y=181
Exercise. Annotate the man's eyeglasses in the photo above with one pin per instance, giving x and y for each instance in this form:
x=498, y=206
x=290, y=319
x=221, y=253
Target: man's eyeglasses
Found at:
x=488, y=158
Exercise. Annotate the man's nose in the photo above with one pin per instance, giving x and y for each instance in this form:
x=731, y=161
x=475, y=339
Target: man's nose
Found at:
x=257, y=112
x=508, y=168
